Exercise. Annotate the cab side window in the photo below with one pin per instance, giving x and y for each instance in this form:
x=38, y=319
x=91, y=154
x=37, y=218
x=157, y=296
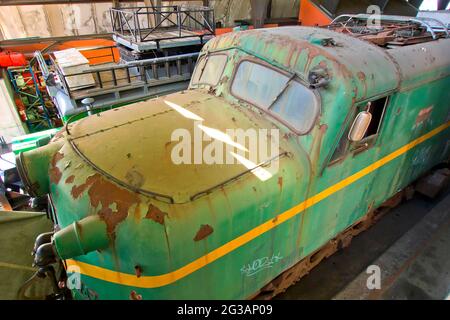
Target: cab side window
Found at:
x=367, y=119
x=376, y=108
x=209, y=69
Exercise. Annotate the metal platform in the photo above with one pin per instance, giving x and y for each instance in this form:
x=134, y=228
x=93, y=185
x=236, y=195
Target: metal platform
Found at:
x=162, y=27
x=116, y=84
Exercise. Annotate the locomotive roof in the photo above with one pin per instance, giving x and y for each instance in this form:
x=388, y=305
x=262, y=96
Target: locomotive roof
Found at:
x=299, y=49
x=372, y=69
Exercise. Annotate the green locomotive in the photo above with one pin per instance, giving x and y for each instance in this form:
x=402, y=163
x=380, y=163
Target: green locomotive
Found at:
x=356, y=115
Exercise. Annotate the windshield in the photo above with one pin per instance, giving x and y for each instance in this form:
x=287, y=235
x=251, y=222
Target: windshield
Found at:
x=209, y=69
x=276, y=93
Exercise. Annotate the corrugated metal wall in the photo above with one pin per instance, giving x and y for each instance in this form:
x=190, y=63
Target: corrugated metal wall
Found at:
x=75, y=19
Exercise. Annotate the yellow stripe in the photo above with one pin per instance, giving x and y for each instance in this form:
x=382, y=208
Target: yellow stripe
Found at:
x=168, y=278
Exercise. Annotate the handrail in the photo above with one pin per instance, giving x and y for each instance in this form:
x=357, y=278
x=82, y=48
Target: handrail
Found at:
x=136, y=63
x=61, y=77
x=126, y=22
x=141, y=77
x=437, y=21
x=42, y=65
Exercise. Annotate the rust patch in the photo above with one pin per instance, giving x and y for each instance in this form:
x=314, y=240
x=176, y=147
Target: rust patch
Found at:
x=56, y=157
x=424, y=114
x=135, y=296
x=54, y=172
x=204, y=231
x=155, y=214
x=70, y=179
x=55, y=175
x=361, y=76
x=105, y=212
x=78, y=190
x=137, y=213
x=107, y=193
x=280, y=182
x=138, y=271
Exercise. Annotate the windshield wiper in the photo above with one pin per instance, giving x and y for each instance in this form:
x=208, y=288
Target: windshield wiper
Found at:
x=282, y=91
x=203, y=68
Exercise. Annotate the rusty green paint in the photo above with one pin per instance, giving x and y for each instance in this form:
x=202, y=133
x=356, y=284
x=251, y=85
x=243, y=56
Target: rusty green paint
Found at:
x=155, y=223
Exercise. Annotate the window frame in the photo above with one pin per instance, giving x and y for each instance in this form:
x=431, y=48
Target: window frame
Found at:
x=368, y=142
x=203, y=56
x=276, y=116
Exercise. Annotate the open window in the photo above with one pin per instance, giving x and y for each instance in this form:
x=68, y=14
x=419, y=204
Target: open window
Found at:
x=376, y=109
x=362, y=129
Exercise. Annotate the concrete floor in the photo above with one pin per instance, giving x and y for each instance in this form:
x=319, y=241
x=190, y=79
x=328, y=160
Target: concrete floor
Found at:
x=410, y=244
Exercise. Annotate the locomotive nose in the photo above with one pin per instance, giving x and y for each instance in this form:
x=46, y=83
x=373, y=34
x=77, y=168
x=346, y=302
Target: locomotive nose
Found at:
x=33, y=167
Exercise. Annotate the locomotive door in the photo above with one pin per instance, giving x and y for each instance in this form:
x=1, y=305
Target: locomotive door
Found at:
x=344, y=206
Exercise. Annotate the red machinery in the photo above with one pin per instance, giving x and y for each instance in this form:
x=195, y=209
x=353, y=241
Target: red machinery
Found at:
x=12, y=59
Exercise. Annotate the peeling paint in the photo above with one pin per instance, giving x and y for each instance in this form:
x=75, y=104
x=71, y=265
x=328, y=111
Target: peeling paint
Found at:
x=54, y=172
x=155, y=214
x=204, y=231
x=105, y=193
x=70, y=179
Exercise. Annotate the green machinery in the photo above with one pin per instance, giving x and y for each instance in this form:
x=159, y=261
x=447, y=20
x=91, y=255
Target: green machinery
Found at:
x=355, y=115
x=33, y=140
x=33, y=103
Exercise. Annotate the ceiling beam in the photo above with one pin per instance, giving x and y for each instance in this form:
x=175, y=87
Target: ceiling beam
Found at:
x=31, y=2
x=24, y=41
